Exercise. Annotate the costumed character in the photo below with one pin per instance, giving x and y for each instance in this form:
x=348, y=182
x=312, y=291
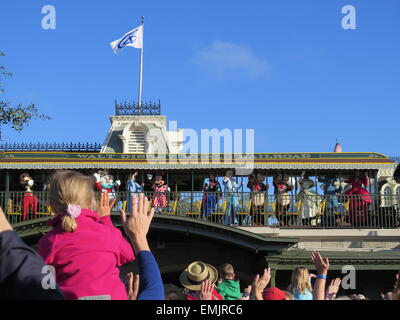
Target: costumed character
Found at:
x=310, y=200
x=29, y=200
x=160, y=199
x=132, y=187
x=359, y=197
x=105, y=183
x=282, y=185
x=211, y=189
x=332, y=189
x=258, y=194
x=230, y=193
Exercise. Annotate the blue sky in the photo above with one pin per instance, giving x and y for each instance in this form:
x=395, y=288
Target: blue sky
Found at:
x=286, y=69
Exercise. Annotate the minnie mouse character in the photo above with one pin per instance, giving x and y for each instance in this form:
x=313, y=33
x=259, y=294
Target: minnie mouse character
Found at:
x=29, y=200
x=160, y=199
x=105, y=183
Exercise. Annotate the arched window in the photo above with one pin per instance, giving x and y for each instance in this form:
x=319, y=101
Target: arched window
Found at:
x=387, y=199
x=137, y=140
x=397, y=195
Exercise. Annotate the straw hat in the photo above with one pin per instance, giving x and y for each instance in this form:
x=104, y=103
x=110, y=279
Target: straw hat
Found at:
x=192, y=277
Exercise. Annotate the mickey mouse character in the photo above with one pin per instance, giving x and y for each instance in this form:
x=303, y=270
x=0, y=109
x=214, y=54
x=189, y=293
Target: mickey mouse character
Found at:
x=282, y=184
x=29, y=200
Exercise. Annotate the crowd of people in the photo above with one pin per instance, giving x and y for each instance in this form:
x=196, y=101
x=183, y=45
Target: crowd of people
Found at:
x=85, y=251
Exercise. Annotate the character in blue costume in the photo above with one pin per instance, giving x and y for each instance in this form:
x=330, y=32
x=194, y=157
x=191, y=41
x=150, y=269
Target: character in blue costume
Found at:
x=332, y=188
x=230, y=189
x=211, y=189
x=132, y=187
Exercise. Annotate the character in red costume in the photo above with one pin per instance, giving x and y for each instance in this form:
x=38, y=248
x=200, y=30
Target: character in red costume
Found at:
x=160, y=199
x=29, y=200
x=359, y=198
x=105, y=183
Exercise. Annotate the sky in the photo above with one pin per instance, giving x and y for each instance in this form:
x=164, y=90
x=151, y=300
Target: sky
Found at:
x=286, y=69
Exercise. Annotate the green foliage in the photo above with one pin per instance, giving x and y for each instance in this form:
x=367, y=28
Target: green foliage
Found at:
x=16, y=116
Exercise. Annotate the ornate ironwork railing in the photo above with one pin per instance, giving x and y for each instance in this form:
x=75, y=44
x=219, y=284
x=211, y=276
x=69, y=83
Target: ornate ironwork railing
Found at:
x=241, y=208
x=72, y=147
x=133, y=109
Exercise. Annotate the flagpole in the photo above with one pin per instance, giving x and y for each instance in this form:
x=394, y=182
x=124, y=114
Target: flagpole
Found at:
x=141, y=69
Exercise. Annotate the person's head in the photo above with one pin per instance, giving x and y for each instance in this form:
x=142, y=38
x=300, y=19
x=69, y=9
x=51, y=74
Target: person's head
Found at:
x=387, y=294
x=133, y=175
x=300, y=281
x=196, y=272
x=159, y=179
x=357, y=173
x=274, y=293
x=229, y=173
x=227, y=272
x=173, y=292
x=211, y=176
x=68, y=190
x=24, y=177
x=260, y=178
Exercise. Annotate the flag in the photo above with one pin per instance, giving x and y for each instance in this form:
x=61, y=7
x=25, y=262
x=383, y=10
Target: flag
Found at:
x=133, y=38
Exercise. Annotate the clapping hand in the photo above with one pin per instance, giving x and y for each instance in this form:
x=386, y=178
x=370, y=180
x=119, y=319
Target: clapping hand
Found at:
x=259, y=283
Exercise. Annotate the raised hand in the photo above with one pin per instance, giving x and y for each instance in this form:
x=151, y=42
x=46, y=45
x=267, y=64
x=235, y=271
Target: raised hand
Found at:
x=137, y=224
x=133, y=285
x=320, y=264
x=105, y=205
x=97, y=177
x=206, y=291
x=259, y=283
x=246, y=294
x=334, y=285
x=4, y=224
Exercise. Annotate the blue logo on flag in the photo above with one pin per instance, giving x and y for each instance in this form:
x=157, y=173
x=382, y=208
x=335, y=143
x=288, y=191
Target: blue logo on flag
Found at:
x=127, y=39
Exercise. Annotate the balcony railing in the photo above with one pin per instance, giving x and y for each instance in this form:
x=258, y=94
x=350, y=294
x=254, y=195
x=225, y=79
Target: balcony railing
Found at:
x=241, y=208
x=134, y=109
x=68, y=147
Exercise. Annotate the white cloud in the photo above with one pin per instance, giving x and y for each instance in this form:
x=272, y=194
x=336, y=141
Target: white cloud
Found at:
x=224, y=59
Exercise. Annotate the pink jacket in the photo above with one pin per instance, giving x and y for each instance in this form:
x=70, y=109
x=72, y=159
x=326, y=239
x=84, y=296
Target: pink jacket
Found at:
x=86, y=260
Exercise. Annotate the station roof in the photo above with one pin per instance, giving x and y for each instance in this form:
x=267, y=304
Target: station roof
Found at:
x=265, y=161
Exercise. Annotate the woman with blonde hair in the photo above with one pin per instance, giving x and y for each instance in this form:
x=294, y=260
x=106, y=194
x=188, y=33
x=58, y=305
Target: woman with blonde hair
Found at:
x=84, y=247
x=300, y=285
